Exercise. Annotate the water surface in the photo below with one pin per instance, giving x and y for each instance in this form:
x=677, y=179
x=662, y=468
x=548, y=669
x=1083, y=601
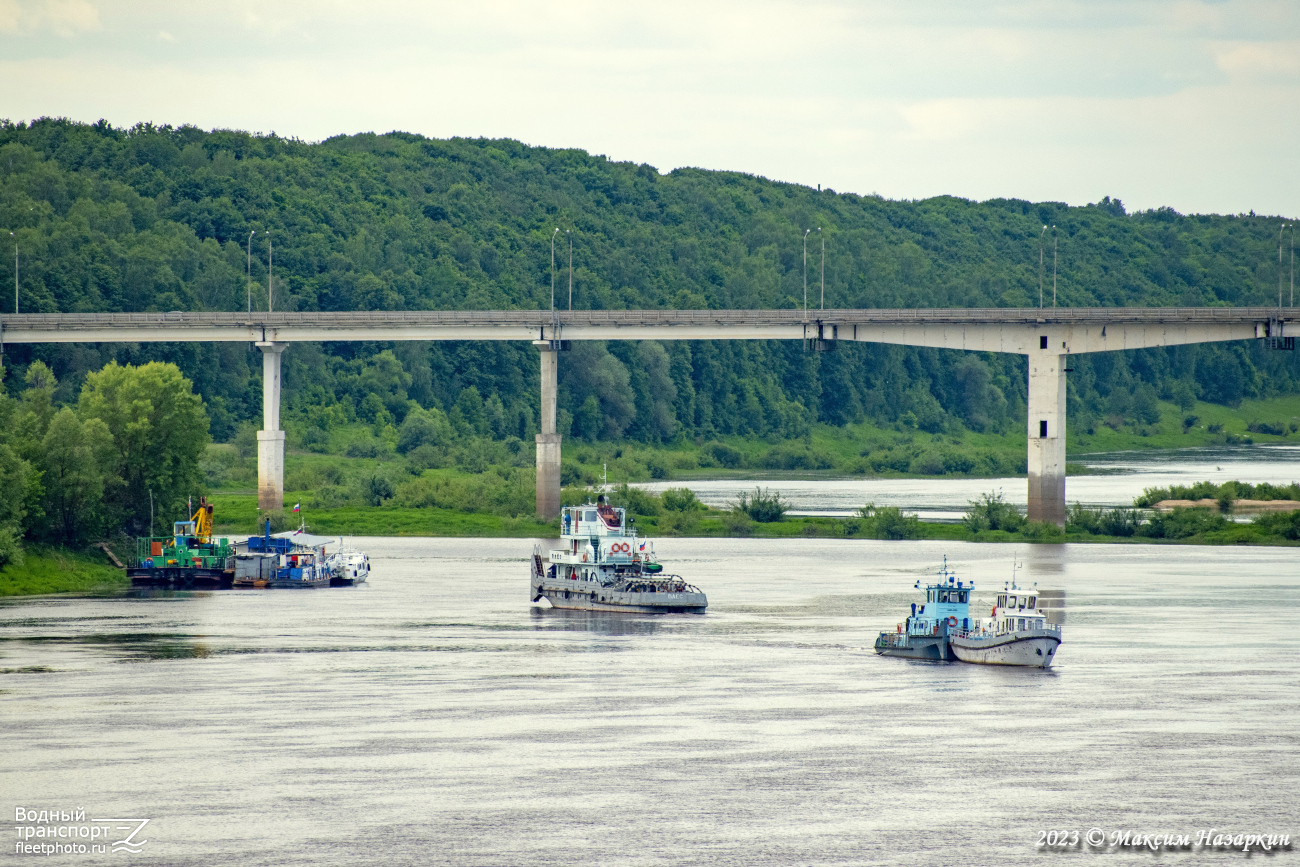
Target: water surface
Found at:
x=1122, y=477
x=435, y=717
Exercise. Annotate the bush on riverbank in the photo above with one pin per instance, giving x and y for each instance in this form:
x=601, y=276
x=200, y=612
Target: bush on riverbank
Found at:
x=1224, y=491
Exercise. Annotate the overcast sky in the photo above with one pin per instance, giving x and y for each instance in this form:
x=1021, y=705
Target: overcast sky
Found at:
x=1190, y=104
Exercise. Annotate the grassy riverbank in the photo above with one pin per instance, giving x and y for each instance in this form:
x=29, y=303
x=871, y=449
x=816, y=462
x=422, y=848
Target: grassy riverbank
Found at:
x=57, y=570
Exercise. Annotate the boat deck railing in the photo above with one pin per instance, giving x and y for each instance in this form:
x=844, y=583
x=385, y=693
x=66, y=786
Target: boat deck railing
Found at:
x=658, y=584
x=991, y=633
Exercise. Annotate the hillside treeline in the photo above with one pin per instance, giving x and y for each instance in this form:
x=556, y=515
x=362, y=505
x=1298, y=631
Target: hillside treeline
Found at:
x=158, y=218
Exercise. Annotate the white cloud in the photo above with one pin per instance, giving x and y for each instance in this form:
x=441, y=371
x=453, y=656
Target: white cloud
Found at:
x=1155, y=101
x=62, y=17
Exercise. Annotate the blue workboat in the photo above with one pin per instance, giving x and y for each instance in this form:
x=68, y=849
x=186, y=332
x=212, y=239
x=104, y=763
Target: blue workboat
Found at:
x=926, y=631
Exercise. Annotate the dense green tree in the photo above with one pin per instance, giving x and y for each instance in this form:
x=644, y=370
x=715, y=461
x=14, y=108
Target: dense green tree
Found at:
x=159, y=431
x=75, y=459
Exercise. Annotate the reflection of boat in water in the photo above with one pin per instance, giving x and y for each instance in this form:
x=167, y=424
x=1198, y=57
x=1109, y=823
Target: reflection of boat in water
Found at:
x=190, y=557
x=1017, y=633
x=603, y=566
x=595, y=622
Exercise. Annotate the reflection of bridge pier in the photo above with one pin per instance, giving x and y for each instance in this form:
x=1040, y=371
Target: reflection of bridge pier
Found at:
x=1045, y=337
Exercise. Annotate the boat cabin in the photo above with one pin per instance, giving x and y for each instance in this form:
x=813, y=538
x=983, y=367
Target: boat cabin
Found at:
x=946, y=607
x=1016, y=611
x=599, y=542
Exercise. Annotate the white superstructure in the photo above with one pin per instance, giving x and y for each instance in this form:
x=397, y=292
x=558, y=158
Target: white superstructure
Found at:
x=1015, y=633
x=603, y=566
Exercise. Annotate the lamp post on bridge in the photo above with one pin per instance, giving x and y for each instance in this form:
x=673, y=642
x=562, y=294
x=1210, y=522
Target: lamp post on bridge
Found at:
x=270, y=264
x=250, y=272
x=1053, y=266
x=15, y=237
x=823, y=237
x=806, y=232
x=1284, y=227
x=553, y=234
x=1041, y=236
x=570, y=234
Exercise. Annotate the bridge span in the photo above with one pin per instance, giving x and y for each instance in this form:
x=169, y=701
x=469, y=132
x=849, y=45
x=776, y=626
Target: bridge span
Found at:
x=1045, y=336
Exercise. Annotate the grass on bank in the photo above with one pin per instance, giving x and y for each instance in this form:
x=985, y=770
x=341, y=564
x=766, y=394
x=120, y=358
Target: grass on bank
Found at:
x=57, y=570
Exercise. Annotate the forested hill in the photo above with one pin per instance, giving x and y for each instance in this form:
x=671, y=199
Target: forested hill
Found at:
x=158, y=218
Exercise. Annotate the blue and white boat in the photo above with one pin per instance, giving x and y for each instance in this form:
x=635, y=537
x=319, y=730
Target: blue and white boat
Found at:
x=925, y=632
x=1017, y=633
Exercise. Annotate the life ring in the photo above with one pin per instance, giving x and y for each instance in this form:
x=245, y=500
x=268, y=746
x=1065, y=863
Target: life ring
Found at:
x=952, y=622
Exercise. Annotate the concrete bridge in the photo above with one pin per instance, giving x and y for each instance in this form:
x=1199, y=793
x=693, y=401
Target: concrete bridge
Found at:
x=1045, y=336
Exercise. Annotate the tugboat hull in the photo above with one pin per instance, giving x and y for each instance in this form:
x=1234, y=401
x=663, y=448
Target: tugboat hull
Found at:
x=592, y=596
x=933, y=648
x=1033, y=649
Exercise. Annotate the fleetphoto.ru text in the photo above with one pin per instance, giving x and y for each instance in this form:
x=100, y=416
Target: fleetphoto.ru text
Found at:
x=69, y=832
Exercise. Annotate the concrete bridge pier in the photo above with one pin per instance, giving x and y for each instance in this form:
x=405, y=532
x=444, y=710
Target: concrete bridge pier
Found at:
x=270, y=440
x=1047, y=390
x=548, y=441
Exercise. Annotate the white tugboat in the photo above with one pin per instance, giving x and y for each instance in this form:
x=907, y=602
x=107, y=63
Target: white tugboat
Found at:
x=1017, y=633
x=603, y=566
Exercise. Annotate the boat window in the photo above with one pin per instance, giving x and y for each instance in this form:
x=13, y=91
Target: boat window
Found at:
x=1002, y=601
x=1022, y=603
x=1032, y=600
x=589, y=516
x=962, y=596
x=1011, y=602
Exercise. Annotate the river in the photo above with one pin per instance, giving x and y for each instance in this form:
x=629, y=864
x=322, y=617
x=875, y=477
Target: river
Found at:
x=434, y=717
x=1117, y=478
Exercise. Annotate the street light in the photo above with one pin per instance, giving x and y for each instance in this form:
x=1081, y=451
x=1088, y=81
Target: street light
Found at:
x=806, y=232
x=1053, y=266
x=270, y=264
x=570, y=234
x=553, y=234
x=1279, y=264
x=1042, y=235
x=250, y=271
x=15, y=237
x=823, y=237
x=1293, y=264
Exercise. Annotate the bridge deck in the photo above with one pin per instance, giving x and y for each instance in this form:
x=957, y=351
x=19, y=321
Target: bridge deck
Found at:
x=398, y=319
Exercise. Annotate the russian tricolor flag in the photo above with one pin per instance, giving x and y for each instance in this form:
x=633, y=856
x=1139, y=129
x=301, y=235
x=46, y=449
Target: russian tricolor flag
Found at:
x=297, y=507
